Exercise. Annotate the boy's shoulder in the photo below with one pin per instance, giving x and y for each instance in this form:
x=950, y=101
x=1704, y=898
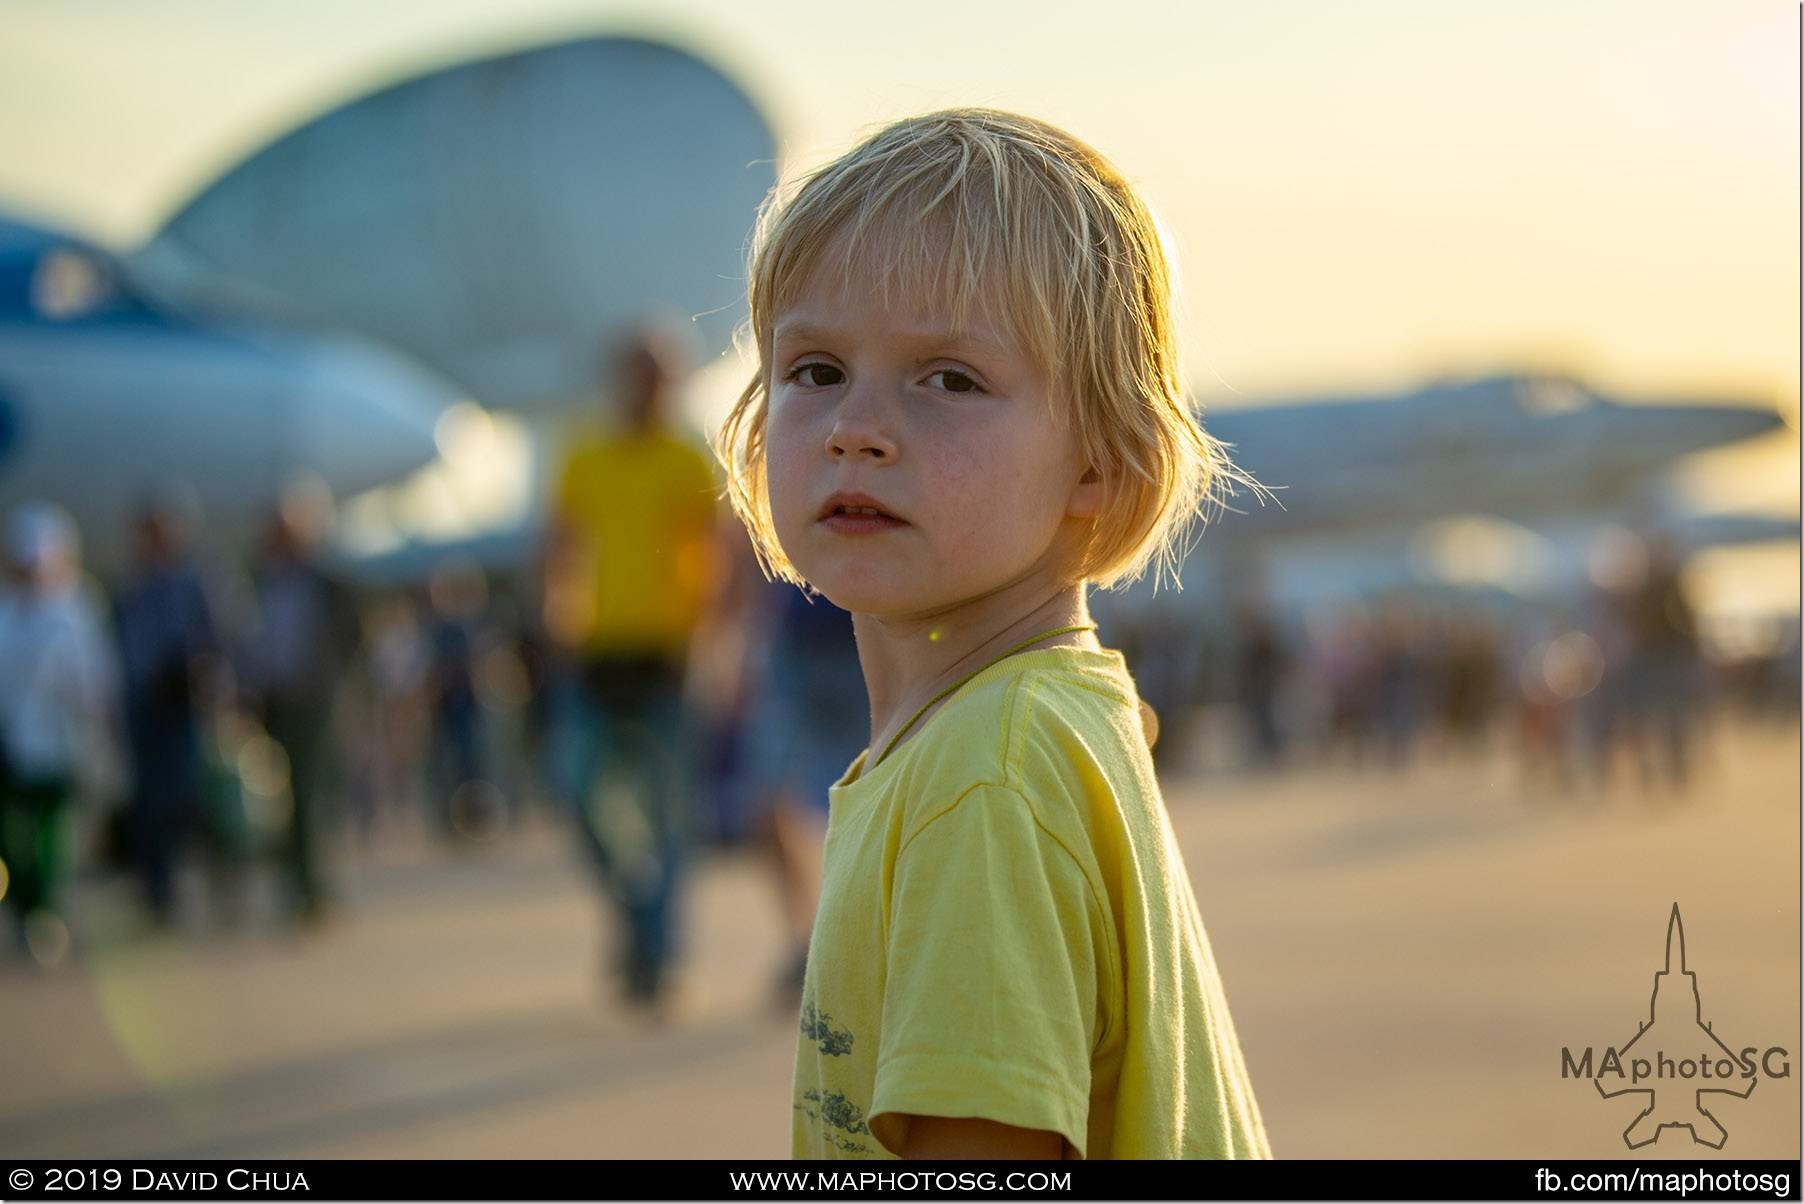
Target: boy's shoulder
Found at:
x=1042, y=728
x=1053, y=690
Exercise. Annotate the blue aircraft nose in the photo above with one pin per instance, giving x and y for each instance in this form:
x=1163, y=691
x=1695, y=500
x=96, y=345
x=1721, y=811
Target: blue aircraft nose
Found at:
x=365, y=415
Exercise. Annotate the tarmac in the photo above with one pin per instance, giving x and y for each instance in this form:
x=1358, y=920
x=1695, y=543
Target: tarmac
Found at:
x=1406, y=954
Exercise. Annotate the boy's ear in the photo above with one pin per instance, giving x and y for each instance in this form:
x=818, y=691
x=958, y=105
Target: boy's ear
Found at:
x=1086, y=496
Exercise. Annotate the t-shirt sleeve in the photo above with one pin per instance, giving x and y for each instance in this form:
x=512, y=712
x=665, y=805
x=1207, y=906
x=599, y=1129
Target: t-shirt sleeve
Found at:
x=989, y=1006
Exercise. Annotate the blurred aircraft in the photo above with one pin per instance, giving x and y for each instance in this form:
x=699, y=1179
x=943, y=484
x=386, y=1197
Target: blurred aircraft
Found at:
x=1525, y=448
x=107, y=393
x=1500, y=486
x=506, y=221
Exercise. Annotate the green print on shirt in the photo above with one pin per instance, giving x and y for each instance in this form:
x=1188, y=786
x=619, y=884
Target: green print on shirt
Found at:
x=833, y=1042
x=839, y=1113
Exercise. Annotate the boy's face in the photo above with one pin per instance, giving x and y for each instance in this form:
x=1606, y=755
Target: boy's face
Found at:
x=950, y=435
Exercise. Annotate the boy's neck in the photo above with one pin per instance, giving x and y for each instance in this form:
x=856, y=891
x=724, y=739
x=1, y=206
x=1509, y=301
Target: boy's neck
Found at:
x=907, y=661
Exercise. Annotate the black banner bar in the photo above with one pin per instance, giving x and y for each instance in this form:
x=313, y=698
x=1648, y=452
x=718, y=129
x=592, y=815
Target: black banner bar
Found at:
x=1285, y=1179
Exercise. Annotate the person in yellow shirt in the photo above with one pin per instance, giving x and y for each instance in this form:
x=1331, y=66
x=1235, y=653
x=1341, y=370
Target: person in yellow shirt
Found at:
x=967, y=411
x=630, y=569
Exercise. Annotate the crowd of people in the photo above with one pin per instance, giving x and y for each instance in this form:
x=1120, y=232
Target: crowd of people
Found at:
x=1578, y=691
x=200, y=712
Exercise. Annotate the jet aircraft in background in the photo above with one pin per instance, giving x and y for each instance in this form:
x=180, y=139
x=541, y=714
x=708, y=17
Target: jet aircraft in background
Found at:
x=108, y=393
x=1519, y=447
x=506, y=221
x=1501, y=484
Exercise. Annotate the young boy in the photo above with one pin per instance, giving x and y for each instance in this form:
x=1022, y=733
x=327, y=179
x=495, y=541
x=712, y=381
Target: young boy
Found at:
x=967, y=409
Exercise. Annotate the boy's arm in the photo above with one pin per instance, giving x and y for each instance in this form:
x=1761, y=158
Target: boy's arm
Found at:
x=947, y=1137
x=995, y=972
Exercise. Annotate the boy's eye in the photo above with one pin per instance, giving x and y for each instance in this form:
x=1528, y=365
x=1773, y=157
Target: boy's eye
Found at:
x=957, y=382
x=817, y=376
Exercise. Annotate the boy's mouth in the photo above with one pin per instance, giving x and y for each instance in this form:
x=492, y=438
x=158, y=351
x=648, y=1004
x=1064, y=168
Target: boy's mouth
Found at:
x=856, y=505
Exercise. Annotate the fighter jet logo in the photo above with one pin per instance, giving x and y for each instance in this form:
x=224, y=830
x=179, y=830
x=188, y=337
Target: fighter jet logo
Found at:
x=1677, y=1048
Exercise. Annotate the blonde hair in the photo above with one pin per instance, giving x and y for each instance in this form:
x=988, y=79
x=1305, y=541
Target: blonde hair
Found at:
x=969, y=199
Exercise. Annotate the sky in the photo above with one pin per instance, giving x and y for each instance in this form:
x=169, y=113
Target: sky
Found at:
x=1362, y=194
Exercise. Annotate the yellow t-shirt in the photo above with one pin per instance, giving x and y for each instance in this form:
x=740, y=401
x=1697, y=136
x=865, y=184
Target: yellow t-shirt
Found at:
x=1007, y=931
x=642, y=509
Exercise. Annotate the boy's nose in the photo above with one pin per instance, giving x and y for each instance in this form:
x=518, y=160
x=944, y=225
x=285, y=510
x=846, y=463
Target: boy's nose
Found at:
x=859, y=443
x=857, y=432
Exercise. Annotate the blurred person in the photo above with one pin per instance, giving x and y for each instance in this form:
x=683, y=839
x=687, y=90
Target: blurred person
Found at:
x=307, y=635
x=1164, y=652
x=1345, y=664
x=58, y=694
x=1470, y=679
x=1775, y=689
x=810, y=721
x=465, y=800
x=1261, y=670
x=171, y=649
x=1399, y=679
x=726, y=659
x=1548, y=715
x=399, y=664
x=632, y=565
x=546, y=671
x=504, y=690
x=1664, y=698
x=1602, y=713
